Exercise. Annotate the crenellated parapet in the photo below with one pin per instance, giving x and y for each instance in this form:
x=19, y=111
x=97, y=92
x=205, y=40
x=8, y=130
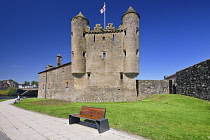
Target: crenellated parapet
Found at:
x=99, y=30
x=110, y=26
x=98, y=27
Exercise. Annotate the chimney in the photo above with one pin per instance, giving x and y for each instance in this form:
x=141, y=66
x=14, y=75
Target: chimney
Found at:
x=58, y=60
x=49, y=67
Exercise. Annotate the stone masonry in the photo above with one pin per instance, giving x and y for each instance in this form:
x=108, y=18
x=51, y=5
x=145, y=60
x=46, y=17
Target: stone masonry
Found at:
x=146, y=88
x=195, y=81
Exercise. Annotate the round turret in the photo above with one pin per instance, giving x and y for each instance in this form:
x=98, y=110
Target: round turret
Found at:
x=78, y=25
x=131, y=42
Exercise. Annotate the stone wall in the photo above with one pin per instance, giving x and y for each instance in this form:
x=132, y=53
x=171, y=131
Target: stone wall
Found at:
x=195, y=81
x=59, y=83
x=56, y=83
x=146, y=88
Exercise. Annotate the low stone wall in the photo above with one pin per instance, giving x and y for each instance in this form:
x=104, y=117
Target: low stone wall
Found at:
x=146, y=88
x=195, y=81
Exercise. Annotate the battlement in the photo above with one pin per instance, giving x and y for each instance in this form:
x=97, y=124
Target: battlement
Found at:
x=98, y=29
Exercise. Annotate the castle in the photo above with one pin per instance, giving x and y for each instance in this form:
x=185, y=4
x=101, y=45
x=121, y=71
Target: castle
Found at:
x=104, y=67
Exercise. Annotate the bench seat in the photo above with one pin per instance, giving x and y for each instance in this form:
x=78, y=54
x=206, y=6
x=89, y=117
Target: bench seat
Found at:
x=94, y=114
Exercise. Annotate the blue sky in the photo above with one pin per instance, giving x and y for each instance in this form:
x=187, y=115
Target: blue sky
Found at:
x=174, y=34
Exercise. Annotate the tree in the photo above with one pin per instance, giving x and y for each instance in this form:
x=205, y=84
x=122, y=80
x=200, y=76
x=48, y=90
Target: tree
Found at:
x=26, y=83
x=11, y=91
x=13, y=81
x=34, y=83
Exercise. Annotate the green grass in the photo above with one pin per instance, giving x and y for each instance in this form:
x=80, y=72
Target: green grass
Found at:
x=160, y=117
x=1, y=100
x=3, y=92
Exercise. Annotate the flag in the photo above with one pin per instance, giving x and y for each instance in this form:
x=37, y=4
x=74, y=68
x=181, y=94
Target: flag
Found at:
x=103, y=9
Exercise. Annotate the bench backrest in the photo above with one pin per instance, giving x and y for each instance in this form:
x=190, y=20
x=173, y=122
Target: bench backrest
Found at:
x=93, y=111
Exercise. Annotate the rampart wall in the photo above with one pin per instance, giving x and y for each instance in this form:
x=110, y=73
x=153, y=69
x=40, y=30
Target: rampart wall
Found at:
x=194, y=81
x=146, y=88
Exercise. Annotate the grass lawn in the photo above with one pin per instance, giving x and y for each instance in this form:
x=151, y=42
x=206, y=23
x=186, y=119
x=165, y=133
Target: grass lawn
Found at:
x=3, y=92
x=3, y=100
x=160, y=117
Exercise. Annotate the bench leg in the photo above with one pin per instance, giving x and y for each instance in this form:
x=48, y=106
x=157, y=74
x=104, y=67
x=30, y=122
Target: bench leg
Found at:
x=102, y=125
x=73, y=119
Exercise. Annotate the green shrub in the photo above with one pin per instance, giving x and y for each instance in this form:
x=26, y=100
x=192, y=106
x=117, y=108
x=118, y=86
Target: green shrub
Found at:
x=12, y=91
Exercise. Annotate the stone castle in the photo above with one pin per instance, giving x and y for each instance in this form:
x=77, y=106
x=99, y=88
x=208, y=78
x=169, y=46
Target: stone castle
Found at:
x=104, y=67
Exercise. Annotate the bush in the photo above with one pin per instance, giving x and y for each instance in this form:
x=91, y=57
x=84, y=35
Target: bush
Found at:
x=12, y=91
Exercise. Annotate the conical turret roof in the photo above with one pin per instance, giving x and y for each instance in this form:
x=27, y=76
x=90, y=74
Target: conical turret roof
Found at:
x=130, y=10
x=81, y=15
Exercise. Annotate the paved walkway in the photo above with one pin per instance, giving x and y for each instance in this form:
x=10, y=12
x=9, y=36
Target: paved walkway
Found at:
x=20, y=124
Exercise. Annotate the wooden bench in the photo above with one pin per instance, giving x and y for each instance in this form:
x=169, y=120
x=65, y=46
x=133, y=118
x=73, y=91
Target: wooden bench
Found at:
x=16, y=101
x=94, y=114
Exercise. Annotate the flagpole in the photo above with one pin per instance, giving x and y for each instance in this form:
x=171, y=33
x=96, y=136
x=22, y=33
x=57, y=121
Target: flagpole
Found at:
x=104, y=17
x=103, y=10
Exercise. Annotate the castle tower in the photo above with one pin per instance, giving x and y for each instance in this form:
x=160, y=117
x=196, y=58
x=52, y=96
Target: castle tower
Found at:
x=58, y=60
x=78, y=44
x=131, y=42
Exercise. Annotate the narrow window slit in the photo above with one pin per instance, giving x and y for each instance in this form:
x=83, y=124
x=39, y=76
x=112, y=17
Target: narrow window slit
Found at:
x=137, y=52
x=113, y=38
x=121, y=75
x=125, y=32
x=124, y=52
x=88, y=75
x=67, y=84
x=84, y=54
x=137, y=30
